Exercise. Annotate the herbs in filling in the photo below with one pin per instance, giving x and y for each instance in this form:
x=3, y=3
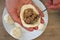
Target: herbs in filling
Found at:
x=30, y=16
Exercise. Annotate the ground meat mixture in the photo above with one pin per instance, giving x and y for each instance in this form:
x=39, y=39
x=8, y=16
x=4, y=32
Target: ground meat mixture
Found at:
x=30, y=16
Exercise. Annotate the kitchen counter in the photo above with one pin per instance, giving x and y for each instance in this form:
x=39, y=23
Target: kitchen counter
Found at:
x=52, y=31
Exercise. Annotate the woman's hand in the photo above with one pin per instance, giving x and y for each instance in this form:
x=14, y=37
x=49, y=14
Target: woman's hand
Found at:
x=53, y=4
x=13, y=7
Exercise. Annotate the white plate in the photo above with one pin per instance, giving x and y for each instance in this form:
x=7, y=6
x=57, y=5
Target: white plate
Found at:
x=26, y=34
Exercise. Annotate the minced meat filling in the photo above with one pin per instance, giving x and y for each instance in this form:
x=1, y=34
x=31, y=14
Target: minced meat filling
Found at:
x=29, y=16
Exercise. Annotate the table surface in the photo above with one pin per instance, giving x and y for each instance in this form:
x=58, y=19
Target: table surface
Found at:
x=52, y=31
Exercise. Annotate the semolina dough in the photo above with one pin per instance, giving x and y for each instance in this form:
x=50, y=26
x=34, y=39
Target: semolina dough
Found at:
x=16, y=32
x=8, y=19
x=21, y=15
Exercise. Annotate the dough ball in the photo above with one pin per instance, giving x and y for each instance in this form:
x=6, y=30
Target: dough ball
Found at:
x=16, y=32
x=8, y=19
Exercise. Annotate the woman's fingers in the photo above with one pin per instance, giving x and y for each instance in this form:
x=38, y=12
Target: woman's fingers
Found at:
x=56, y=2
x=55, y=5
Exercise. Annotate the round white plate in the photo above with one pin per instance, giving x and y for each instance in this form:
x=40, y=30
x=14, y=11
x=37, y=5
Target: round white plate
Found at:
x=26, y=35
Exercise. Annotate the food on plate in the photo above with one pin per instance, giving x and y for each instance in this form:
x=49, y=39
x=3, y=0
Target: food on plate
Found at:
x=8, y=19
x=29, y=16
x=16, y=32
